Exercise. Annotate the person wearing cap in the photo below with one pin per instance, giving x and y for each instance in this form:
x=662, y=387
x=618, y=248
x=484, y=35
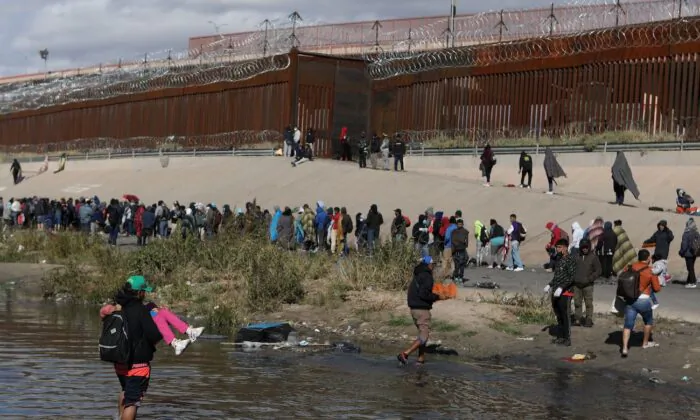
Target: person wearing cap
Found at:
x=588, y=269
x=143, y=336
x=420, y=298
x=398, y=149
x=560, y=292
x=374, y=150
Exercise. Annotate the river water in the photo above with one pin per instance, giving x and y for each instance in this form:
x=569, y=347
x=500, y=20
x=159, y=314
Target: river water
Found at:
x=49, y=368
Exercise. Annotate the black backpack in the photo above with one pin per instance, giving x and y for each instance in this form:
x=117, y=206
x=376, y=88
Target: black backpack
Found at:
x=114, y=341
x=628, y=284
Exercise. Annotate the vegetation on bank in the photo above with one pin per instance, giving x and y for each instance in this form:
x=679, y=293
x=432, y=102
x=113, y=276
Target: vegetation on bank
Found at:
x=224, y=281
x=591, y=142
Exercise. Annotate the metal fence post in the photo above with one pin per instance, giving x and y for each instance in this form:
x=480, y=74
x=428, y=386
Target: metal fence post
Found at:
x=133, y=154
x=109, y=154
x=605, y=147
x=194, y=152
x=233, y=151
x=422, y=148
x=87, y=155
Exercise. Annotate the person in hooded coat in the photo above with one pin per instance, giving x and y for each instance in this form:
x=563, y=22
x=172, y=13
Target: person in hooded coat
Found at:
x=623, y=179
x=576, y=236
x=607, y=251
x=525, y=169
x=274, y=235
x=624, y=250
x=684, y=202
x=16, y=170
x=661, y=240
x=552, y=169
x=285, y=229
x=487, y=163
x=690, y=239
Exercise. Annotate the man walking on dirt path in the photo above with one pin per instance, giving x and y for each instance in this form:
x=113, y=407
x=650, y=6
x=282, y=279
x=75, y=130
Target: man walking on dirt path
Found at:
x=420, y=301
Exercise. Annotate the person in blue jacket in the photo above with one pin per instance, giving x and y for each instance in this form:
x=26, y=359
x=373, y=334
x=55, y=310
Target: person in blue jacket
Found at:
x=273, y=224
x=321, y=224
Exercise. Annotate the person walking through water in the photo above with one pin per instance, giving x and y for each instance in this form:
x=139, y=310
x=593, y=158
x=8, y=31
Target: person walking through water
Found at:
x=487, y=163
x=552, y=169
x=16, y=170
x=420, y=299
x=525, y=169
x=623, y=179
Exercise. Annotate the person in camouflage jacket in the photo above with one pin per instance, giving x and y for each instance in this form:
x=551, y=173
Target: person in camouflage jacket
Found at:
x=307, y=223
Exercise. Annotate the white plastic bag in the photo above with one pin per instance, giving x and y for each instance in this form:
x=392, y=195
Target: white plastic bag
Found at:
x=618, y=307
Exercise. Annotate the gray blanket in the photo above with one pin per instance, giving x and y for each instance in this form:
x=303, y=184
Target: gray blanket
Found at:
x=622, y=174
x=551, y=165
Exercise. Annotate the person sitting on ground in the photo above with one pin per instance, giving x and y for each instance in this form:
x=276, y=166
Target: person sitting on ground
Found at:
x=684, y=202
x=420, y=299
x=560, y=287
x=642, y=305
x=162, y=317
x=588, y=270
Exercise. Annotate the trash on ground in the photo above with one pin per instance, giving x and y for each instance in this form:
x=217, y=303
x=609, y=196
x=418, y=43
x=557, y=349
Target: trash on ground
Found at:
x=656, y=380
x=685, y=379
x=487, y=285
x=266, y=332
x=647, y=371
x=687, y=366
x=526, y=338
x=578, y=357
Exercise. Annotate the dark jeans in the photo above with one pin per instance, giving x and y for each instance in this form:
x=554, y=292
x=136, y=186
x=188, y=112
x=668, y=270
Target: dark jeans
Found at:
x=460, y=260
x=690, y=265
x=371, y=235
x=561, y=306
x=362, y=160
x=527, y=173
x=550, y=183
x=487, y=173
x=163, y=228
x=143, y=239
x=398, y=159
x=606, y=264
x=113, y=233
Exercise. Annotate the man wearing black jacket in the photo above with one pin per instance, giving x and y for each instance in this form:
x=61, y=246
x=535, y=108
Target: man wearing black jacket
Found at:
x=398, y=150
x=525, y=168
x=420, y=302
x=143, y=336
x=460, y=243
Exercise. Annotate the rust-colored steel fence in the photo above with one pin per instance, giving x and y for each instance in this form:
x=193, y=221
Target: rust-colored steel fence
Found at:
x=653, y=89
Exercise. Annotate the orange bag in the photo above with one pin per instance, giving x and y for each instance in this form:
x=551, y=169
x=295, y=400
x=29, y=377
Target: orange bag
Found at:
x=648, y=245
x=445, y=289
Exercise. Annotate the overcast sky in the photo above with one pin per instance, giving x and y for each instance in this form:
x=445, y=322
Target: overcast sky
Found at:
x=88, y=32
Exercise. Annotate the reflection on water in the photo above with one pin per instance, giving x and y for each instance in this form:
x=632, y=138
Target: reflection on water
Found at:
x=49, y=367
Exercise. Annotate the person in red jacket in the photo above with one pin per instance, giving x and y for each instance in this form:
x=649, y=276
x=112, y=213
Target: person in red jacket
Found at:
x=557, y=233
x=138, y=224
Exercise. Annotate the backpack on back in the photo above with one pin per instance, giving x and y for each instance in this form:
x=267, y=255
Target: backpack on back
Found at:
x=628, y=284
x=114, y=341
x=696, y=245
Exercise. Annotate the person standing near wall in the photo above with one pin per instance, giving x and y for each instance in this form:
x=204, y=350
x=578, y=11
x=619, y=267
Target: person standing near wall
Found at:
x=399, y=150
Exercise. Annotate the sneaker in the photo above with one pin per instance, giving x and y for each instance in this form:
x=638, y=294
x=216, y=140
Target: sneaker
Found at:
x=588, y=323
x=549, y=270
x=179, y=345
x=509, y=268
x=550, y=193
x=194, y=333
x=556, y=340
x=564, y=342
x=518, y=269
x=529, y=187
x=402, y=358
x=654, y=306
x=486, y=184
x=691, y=286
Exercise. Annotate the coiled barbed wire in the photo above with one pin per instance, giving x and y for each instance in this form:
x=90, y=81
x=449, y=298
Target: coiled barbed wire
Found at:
x=108, y=85
x=644, y=35
x=399, y=47
x=219, y=141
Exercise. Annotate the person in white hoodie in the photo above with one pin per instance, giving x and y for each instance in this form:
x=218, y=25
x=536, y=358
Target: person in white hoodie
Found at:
x=297, y=141
x=576, y=236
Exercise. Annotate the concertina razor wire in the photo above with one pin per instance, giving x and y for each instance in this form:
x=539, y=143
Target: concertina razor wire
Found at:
x=219, y=141
x=402, y=49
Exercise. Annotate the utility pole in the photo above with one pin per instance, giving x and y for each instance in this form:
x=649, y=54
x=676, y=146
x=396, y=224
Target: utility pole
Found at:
x=453, y=16
x=229, y=48
x=266, y=43
x=617, y=8
x=376, y=26
x=44, y=54
x=501, y=25
x=410, y=38
x=680, y=8
x=294, y=18
x=552, y=18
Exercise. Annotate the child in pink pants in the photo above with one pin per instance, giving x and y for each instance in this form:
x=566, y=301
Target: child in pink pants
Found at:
x=164, y=319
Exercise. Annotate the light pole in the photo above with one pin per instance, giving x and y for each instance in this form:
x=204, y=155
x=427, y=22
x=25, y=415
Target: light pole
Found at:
x=44, y=54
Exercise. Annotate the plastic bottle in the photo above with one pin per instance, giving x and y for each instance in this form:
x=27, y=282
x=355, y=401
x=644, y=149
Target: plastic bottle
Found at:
x=292, y=339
